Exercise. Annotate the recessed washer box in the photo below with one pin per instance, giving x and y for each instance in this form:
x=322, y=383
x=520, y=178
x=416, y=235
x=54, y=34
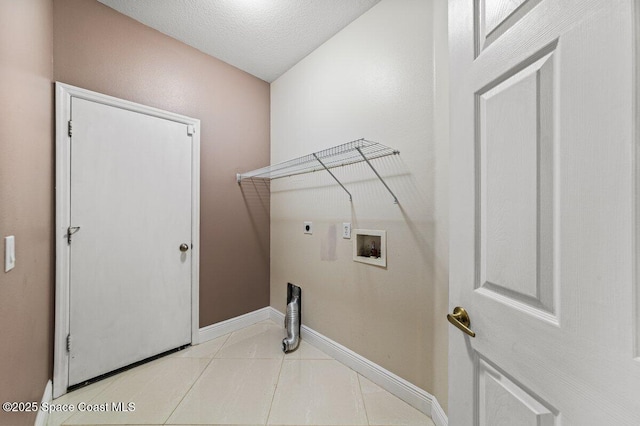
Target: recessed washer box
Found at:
x=370, y=246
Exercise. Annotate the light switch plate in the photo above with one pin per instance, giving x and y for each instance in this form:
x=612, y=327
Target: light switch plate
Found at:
x=9, y=253
x=346, y=230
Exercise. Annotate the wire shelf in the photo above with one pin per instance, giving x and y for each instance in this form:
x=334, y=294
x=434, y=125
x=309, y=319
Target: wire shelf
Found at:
x=337, y=156
x=341, y=155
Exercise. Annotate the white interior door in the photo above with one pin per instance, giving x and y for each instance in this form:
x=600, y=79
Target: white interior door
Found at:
x=130, y=283
x=542, y=252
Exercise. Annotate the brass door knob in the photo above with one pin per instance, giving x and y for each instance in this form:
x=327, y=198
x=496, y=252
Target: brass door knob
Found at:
x=184, y=247
x=460, y=318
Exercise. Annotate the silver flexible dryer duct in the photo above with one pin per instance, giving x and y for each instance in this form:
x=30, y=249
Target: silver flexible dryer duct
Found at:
x=292, y=321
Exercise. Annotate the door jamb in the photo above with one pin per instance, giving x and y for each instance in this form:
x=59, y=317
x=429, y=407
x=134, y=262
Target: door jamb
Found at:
x=64, y=93
x=636, y=181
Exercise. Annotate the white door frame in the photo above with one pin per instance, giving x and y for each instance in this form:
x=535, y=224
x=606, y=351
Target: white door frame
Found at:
x=64, y=93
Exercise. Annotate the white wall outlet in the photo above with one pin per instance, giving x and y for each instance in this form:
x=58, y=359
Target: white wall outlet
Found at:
x=346, y=230
x=308, y=227
x=9, y=253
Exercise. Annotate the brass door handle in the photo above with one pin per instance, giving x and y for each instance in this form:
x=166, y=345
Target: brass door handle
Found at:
x=184, y=247
x=460, y=318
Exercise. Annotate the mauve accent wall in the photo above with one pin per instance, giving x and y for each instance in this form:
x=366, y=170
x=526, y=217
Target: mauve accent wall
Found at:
x=26, y=202
x=99, y=49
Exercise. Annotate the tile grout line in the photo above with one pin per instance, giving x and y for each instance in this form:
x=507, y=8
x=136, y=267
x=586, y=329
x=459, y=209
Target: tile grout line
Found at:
x=364, y=403
x=187, y=391
x=273, y=397
x=196, y=380
x=222, y=345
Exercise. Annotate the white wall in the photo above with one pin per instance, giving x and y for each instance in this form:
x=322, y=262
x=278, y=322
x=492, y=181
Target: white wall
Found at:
x=375, y=79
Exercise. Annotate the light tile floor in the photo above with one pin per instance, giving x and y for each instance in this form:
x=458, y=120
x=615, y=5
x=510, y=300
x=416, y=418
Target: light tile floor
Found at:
x=242, y=378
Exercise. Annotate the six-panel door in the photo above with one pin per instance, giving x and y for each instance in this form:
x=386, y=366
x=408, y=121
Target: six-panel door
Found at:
x=542, y=213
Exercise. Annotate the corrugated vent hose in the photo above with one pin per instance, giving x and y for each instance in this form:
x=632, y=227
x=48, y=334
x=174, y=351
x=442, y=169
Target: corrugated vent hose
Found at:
x=292, y=319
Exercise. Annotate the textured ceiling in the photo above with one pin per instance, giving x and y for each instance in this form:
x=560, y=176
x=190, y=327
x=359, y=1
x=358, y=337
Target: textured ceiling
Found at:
x=262, y=37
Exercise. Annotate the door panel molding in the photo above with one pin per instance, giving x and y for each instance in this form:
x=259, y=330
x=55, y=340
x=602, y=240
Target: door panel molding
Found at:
x=499, y=394
x=544, y=265
x=64, y=95
x=494, y=17
x=518, y=264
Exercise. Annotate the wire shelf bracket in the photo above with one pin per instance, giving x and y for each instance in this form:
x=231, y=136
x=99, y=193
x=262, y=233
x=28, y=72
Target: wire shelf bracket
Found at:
x=353, y=152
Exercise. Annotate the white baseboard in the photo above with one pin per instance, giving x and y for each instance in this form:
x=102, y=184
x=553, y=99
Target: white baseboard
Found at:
x=47, y=397
x=276, y=316
x=408, y=392
x=438, y=415
x=219, y=329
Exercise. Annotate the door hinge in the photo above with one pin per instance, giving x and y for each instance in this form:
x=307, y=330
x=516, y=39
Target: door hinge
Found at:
x=70, y=231
x=70, y=128
x=190, y=130
x=68, y=342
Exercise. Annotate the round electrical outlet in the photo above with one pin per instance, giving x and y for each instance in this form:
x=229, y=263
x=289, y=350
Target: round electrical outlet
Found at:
x=308, y=227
